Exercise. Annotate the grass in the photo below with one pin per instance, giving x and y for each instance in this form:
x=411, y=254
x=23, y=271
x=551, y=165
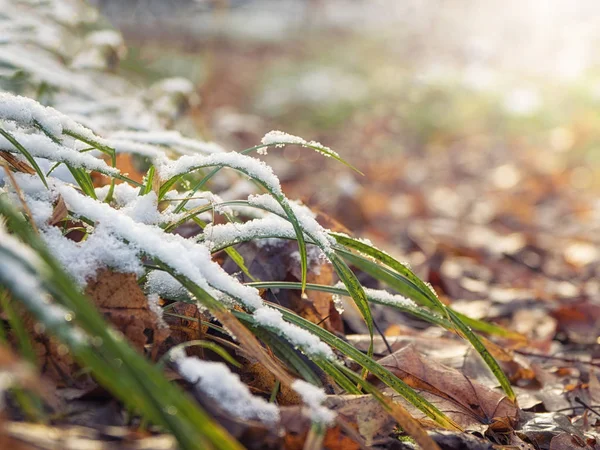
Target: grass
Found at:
x=139, y=383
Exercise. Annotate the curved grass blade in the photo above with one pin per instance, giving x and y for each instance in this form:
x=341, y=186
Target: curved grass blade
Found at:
x=323, y=150
x=406, y=288
x=10, y=138
x=355, y=290
x=372, y=366
x=231, y=323
x=408, y=284
x=387, y=260
x=419, y=313
x=491, y=362
x=408, y=423
x=291, y=357
x=84, y=181
x=283, y=202
x=147, y=188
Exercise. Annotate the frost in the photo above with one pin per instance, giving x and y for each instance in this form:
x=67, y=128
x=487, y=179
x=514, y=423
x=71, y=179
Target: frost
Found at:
x=313, y=397
x=226, y=389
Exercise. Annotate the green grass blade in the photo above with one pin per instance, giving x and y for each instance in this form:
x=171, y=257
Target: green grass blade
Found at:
x=10, y=138
x=387, y=260
x=356, y=291
x=147, y=188
x=325, y=151
x=420, y=313
x=484, y=353
x=84, y=181
x=283, y=202
x=371, y=366
x=391, y=278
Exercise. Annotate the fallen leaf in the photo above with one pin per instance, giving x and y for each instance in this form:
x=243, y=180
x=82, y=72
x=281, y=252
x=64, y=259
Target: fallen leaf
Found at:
x=121, y=300
x=470, y=404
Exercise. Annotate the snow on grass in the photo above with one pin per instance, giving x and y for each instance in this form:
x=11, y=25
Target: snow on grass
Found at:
x=253, y=167
x=313, y=397
x=135, y=148
x=26, y=111
x=306, y=219
x=28, y=288
x=41, y=146
x=165, y=285
x=189, y=259
x=389, y=299
x=224, y=235
x=215, y=380
x=280, y=139
x=172, y=139
x=101, y=249
x=271, y=318
x=385, y=297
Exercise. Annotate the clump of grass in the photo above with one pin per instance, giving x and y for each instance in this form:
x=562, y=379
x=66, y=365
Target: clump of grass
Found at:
x=33, y=267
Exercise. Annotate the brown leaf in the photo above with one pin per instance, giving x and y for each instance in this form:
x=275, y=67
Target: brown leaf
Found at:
x=18, y=165
x=121, y=300
x=59, y=213
x=467, y=402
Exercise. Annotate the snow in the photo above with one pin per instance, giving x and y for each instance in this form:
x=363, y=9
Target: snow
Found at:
x=101, y=249
x=224, y=235
x=306, y=219
x=177, y=85
x=27, y=287
x=389, y=299
x=280, y=139
x=105, y=37
x=251, y=166
x=26, y=111
x=144, y=209
x=165, y=285
x=187, y=258
x=310, y=343
x=313, y=397
x=215, y=380
x=384, y=297
x=41, y=146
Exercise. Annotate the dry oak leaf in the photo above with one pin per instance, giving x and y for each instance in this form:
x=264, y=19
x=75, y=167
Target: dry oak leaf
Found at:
x=470, y=404
x=121, y=300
